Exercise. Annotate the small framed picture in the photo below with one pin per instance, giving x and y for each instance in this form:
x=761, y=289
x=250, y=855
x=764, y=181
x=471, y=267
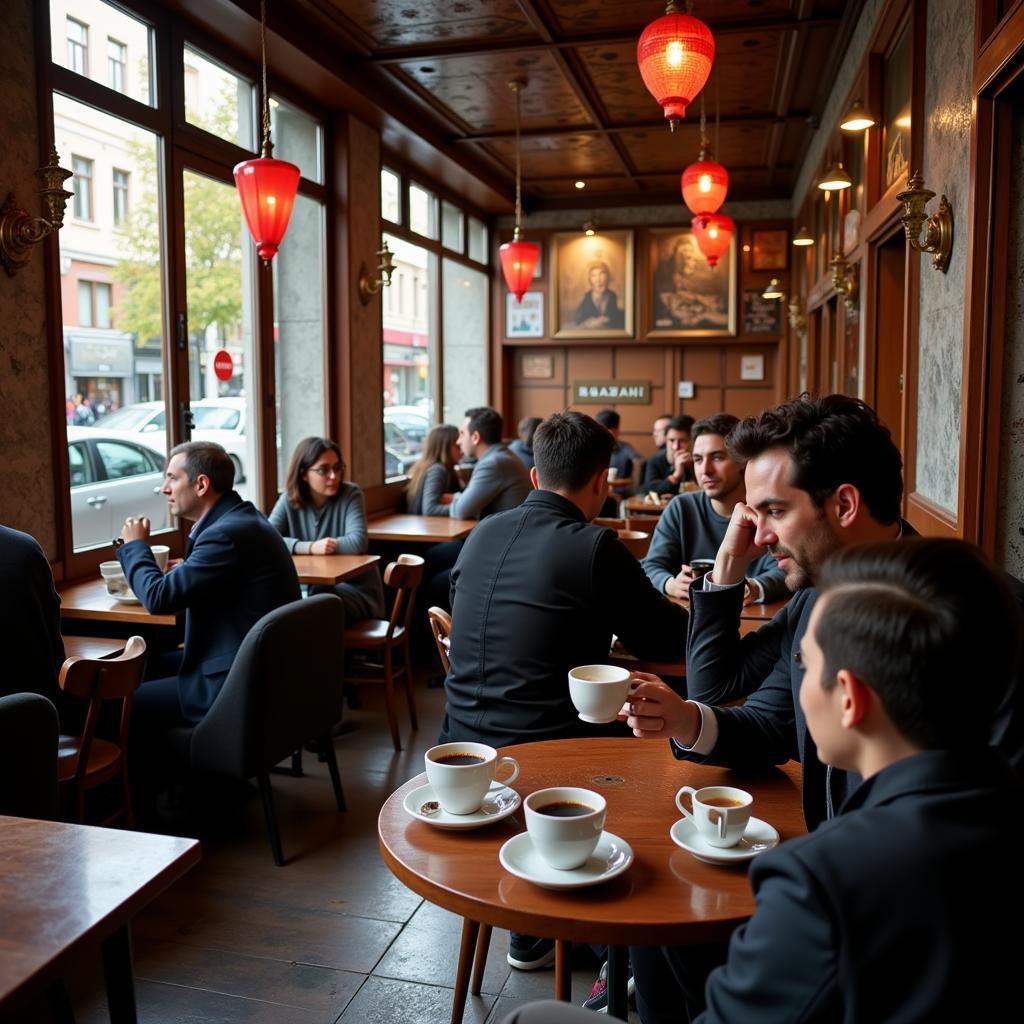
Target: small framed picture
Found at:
x=535, y=367
x=752, y=367
x=769, y=249
x=524, y=319
x=761, y=316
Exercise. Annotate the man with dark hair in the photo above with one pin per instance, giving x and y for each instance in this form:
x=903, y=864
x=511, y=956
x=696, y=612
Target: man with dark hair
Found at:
x=499, y=482
x=236, y=569
x=539, y=590
x=665, y=472
x=522, y=446
x=624, y=455
x=693, y=525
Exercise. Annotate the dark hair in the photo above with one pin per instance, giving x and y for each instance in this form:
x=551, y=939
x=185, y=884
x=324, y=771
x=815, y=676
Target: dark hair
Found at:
x=527, y=428
x=721, y=423
x=832, y=440
x=569, y=449
x=306, y=453
x=608, y=418
x=436, y=451
x=683, y=423
x=209, y=459
x=485, y=421
x=918, y=620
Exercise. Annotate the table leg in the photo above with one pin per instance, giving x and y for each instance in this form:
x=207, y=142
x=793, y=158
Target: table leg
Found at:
x=470, y=930
x=117, y=967
x=618, y=974
x=483, y=944
x=563, y=971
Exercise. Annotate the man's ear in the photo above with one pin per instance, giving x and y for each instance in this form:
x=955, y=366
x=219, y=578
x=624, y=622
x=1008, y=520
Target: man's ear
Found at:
x=202, y=485
x=847, y=503
x=535, y=480
x=855, y=698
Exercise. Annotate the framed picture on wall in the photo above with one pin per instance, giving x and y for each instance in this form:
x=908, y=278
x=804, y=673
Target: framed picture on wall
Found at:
x=524, y=319
x=592, y=285
x=769, y=250
x=761, y=316
x=689, y=298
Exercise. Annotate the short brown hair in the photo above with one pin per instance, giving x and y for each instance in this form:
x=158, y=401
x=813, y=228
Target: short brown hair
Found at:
x=209, y=459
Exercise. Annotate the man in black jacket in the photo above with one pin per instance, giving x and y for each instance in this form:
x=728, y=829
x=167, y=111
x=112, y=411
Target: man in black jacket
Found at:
x=671, y=467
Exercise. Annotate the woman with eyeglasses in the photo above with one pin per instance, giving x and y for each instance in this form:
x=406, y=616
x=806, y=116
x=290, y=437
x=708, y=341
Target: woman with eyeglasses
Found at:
x=434, y=473
x=321, y=514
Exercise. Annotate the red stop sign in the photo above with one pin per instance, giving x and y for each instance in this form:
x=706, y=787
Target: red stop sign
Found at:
x=223, y=365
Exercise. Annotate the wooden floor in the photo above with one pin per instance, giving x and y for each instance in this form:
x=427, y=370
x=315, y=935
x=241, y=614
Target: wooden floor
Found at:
x=332, y=936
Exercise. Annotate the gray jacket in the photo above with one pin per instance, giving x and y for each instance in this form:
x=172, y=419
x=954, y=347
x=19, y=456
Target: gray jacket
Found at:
x=499, y=482
x=427, y=501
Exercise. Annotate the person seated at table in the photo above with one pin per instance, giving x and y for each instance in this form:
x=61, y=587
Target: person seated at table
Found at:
x=666, y=471
x=522, y=446
x=539, y=590
x=322, y=514
x=434, y=474
x=624, y=458
x=693, y=525
x=236, y=569
x=877, y=915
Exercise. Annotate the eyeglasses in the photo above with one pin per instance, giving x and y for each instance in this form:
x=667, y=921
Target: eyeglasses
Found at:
x=336, y=469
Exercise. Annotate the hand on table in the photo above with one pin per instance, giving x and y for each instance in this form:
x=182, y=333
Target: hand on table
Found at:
x=324, y=546
x=654, y=711
x=135, y=528
x=679, y=585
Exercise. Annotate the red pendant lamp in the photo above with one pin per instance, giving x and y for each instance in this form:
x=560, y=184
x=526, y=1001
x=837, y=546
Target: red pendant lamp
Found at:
x=266, y=186
x=713, y=232
x=675, y=53
x=705, y=183
x=518, y=258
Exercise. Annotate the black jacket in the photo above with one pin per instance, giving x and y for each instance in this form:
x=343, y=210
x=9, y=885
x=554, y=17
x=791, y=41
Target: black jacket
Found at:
x=657, y=469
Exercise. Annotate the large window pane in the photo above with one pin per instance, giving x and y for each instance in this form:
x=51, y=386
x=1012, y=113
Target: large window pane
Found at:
x=451, y=227
x=112, y=302
x=390, y=196
x=218, y=101
x=464, y=339
x=408, y=321
x=477, y=240
x=299, y=331
x=297, y=138
x=104, y=43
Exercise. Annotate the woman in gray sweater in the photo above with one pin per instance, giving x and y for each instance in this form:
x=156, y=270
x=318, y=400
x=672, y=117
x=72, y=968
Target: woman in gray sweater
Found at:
x=434, y=473
x=320, y=514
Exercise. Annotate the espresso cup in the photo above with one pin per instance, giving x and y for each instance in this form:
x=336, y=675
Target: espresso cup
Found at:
x=161, y=552
x=720, y=813
x=613, y=474
x=701, y=566
x=565, y=823
x=461, y=774
x=599, y=691
x=114, y=578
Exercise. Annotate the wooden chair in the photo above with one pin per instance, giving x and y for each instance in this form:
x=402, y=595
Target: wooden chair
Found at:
x=385, y=636
x=636, y=542
x=85, y=762
x=647, y=523
x=441, y=627
x=612, y=524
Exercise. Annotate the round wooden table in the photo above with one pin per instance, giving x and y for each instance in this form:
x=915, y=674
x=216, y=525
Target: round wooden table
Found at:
x=667, y=897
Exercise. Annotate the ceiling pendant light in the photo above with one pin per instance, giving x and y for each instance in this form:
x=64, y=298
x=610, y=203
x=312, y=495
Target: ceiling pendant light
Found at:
x=675, y=54
x=705, y=183
x=803, y=238
x=713, y=232
x=518, y=258
x=835, y=178
x=266, y=186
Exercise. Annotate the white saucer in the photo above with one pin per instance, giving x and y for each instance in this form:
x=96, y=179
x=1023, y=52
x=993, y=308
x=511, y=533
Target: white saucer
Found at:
x=500, y=802
x=611, y=857
x=128, y=598
x=758, y=837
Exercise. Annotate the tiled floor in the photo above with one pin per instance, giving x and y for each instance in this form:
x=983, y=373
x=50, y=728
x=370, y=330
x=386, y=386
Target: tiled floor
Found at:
x=332, y=936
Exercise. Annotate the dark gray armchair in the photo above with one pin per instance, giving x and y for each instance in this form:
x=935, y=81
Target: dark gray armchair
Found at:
x=28, y=757
x=283, y=690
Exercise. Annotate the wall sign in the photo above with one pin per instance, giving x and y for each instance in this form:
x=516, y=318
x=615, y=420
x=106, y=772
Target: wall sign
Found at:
x=761, y=316
x=619, y=392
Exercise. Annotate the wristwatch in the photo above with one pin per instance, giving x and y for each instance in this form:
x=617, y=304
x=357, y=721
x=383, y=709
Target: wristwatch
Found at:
x=118, y=543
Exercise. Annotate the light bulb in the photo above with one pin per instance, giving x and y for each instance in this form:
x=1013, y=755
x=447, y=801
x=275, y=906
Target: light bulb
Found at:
x=704, y=184
x=674, y=53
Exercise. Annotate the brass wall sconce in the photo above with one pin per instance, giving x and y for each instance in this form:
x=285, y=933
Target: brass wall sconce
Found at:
x=370, y=286
x=19, y=230
x=938, y=235
x=845, y=280
x=797, y=316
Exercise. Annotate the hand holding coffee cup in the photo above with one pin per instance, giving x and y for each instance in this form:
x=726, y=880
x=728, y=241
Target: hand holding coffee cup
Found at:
x=461, y=774
x=701, y=567
x=719, y=813
x=565, y=824
x=161, y=552
x=599, y=691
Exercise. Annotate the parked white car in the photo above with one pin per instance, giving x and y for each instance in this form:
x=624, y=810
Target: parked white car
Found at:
x=112, y=477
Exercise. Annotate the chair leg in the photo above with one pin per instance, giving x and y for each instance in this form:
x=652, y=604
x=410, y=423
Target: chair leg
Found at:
x=268, y=812
x=327, y=746
x=563, y=971
x=408, y=684
x=389, y=697
x=483, y=945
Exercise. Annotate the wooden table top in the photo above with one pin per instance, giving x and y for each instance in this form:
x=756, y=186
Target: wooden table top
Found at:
x=666, y=897
x=639, y=507
x=326, y=570
x=65, y=886
x=88, y=599
x=419, y=529
x=756, y=613
x=91, y=646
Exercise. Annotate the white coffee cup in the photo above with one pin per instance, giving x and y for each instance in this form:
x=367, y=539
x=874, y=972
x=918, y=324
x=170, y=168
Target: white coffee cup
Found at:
x=565, y=824
x=613, y=474
x=599, y=691
x=161, y=552
x=114, y=578
x=461, y=773
x=720, y=813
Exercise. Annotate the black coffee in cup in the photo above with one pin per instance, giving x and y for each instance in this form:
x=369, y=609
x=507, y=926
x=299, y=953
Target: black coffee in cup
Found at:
x=701, y=566
x=564, y=809
x=457, y=759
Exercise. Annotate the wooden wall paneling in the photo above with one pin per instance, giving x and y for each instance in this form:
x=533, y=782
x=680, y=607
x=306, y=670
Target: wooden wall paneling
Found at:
x=584, y=363
x=748, y=401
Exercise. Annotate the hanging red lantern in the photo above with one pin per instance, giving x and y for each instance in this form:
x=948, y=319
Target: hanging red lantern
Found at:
x=705, y=185
x=517, y=261
x=675, y=53
x=713, y=232
x=267, y=190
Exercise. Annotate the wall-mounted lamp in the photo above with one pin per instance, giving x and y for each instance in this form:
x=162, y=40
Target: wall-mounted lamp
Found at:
x=803, y=237
x=797, y=316
x=835, y=178
x=845, y=280
x=774, y=290
x=19, y=230
x=857, y=119
x=938, y=236
x=370, y=286
x=590, y=227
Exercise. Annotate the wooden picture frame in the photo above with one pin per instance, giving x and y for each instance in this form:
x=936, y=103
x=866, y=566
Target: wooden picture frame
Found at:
x=524, y=319
x=769, y=249
x=592, y=284
x=688, y=298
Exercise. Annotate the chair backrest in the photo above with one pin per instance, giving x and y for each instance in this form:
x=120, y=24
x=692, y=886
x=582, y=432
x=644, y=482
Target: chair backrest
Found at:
x=612, y=524
x=635, y=541
x=284, y=688
x=441, y=627
x=28, y=757
x=405, y=575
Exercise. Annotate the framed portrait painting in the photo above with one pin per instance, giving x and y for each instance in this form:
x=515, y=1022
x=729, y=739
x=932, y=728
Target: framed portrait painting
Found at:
x=769, y=250
x=592, y=285
x=689, y=298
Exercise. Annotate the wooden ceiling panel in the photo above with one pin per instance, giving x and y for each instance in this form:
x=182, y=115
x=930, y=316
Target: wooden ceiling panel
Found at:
x=566, y=187
x=579, y=16
x=475, y=89
x=661, y=151
x=545, y=157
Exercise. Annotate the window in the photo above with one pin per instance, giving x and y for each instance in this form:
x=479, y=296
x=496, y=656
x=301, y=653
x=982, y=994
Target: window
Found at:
x=120, y=197
x=120, y=459
x=219, y=101
x=451, y=227
x=297, y=138
x=78, y=46
x=477, y=240
x=117, y=57
x=464, y=338
x=82, y=184
x=93, y=304
x=390, y=196
x=79, y=465
x=422, y=211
